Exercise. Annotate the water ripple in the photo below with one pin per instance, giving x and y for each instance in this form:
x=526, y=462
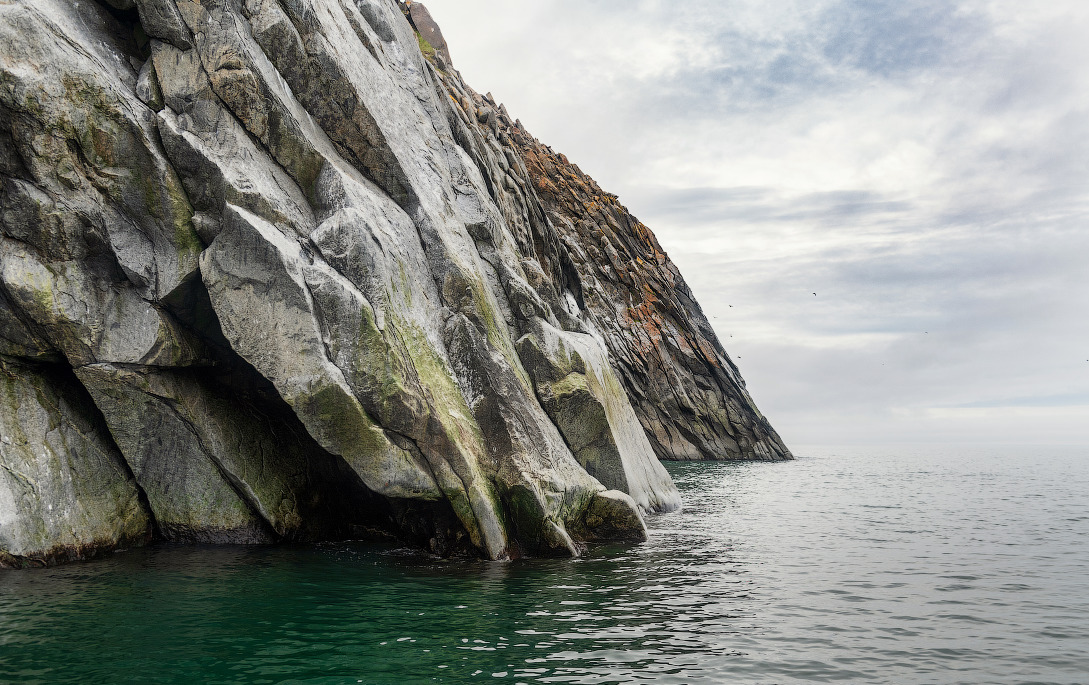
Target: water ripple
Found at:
x=874, y=566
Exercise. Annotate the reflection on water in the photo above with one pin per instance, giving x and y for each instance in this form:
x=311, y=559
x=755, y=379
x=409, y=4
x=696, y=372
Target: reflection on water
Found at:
x=859, y=566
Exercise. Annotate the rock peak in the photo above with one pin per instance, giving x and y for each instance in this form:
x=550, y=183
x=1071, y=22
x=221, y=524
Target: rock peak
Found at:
x=427, y=29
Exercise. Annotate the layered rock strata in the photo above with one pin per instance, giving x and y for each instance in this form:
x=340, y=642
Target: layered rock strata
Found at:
x=270, y=271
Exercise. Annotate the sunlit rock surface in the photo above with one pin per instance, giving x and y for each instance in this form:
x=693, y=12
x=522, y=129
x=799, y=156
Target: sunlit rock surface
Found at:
x=270, y=271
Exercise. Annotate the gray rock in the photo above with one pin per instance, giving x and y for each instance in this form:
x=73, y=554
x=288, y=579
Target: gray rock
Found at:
x=97, y=193
x=17, y=339
x=217, y=462
x=161, y=19
x=585, y=399
x=299, y=282
x=147, y=87
x=181, y=77
x=65, y=493
x=258, y=281
x=429, y=30
x=87, y=318
x=220, y=164
x=168, y=434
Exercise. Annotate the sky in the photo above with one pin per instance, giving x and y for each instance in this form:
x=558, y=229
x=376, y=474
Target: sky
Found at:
x=922, y=166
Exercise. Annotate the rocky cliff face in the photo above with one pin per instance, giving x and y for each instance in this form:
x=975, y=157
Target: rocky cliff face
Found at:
x=687, y=392
x=269, y=270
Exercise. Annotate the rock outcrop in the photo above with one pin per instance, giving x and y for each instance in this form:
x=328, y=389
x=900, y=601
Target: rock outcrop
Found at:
x=686, y=390
x=269, y=270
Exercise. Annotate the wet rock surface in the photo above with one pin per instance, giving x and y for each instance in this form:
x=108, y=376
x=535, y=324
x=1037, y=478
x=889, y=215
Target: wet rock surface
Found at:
x=270, y=271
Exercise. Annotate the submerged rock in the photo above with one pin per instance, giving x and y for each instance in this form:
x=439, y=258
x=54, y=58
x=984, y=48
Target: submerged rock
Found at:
x=271, y=271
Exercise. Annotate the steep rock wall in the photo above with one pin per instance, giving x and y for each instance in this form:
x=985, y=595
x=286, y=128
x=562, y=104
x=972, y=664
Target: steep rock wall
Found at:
x=686, y=390
x=270, y=271
x=616, y=280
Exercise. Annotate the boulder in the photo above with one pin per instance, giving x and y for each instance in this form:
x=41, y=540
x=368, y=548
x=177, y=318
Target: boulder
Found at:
x=429, y=30
x=581, y=393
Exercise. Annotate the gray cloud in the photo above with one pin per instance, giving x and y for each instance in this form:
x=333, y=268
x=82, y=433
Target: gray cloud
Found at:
x=756, y=204
x=923, y=165
x=891, y=37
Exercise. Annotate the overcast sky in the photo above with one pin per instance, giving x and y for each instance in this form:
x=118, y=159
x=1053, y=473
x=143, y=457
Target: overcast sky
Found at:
x=921, y=165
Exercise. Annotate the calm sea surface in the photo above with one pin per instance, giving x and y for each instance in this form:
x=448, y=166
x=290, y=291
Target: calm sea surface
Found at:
x=894, y=565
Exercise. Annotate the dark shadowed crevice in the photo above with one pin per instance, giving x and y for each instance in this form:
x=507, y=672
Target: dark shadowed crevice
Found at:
x=134, y=39
x=446, y=534
x=453, y=538
x=344, y=507
x=63, y=380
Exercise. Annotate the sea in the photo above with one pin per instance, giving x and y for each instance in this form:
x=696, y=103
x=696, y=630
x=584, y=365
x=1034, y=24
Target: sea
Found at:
x=909, y=564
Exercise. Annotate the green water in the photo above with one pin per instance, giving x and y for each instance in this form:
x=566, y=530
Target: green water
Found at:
x=331, y=614
x=860, y=567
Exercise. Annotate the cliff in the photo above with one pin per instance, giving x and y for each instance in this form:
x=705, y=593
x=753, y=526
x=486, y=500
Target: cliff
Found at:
x=270, y=271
